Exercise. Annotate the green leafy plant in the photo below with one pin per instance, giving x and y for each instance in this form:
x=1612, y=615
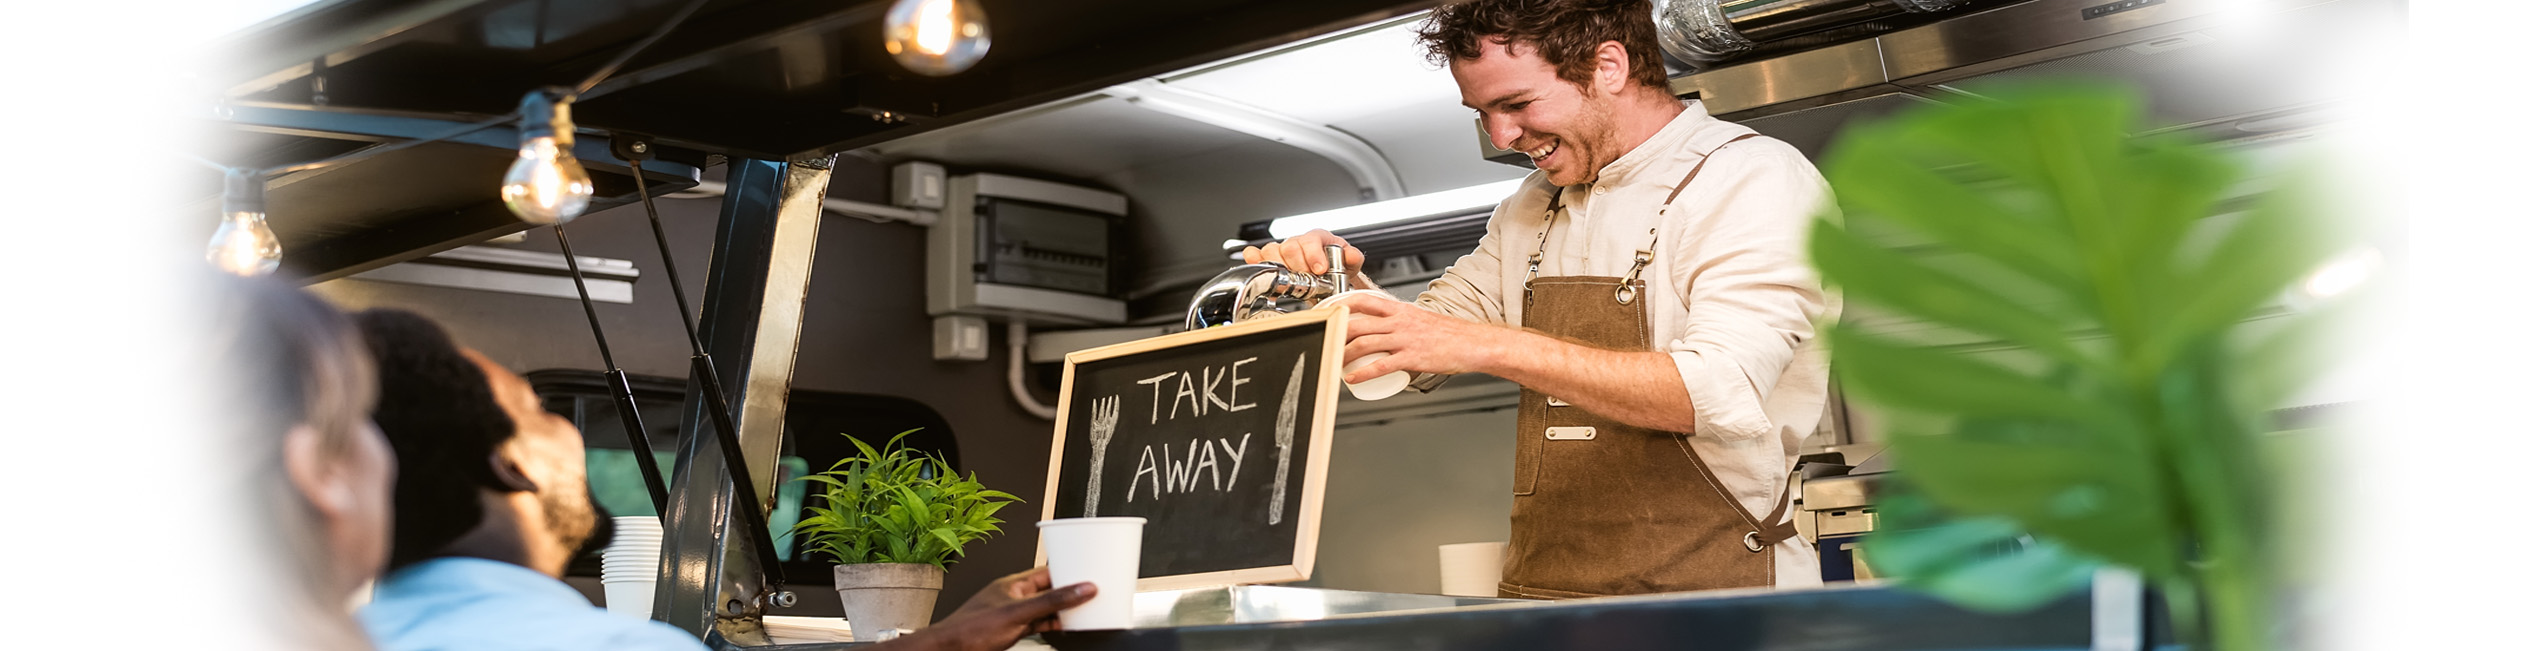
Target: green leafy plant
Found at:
x=898, y=505
x=2123, y=426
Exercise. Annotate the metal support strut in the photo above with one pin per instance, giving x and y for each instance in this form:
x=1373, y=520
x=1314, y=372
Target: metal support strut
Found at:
x=702, y=369
x=624, y=395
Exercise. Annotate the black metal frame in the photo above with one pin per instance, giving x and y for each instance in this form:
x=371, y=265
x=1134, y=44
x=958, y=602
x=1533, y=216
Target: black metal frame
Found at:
x=715, y=496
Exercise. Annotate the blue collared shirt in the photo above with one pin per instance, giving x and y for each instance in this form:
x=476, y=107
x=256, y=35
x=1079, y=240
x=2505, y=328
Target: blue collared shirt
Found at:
x=475, y=604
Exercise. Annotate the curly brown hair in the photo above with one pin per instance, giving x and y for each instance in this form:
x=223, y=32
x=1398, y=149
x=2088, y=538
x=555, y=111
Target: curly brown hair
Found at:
x=1567, y=33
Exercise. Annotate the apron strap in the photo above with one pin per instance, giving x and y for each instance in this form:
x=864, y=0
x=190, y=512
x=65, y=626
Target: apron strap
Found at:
x=1700, y=167
x=1553, y=201
x=1762, y=535
x=1626, y=285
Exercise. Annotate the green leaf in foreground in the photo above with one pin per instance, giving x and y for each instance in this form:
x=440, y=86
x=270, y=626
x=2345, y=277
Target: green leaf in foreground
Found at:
x=2137, y=448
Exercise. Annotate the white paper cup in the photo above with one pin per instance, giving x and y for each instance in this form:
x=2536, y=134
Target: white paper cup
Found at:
x=1472, y=569
x=631, y=598
x=1377, y=387
x=1381, y=386
x=1104, y=551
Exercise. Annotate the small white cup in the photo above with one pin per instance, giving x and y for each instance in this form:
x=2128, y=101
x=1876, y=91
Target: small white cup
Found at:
x=1472, y=569
x=1377, y=387
x=631, y=598
x=1381, y=386
x=1104, y=551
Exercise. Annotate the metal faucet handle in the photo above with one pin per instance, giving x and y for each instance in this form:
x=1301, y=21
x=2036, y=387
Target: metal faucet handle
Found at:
x=1246, y=291
x=1336, y=276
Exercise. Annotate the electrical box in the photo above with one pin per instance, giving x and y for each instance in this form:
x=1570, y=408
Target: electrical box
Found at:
x=1014, y=248
x=961, y=338
x=919, y=184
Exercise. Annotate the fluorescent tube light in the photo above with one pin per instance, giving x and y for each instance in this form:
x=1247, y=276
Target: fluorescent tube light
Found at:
x=1394, y=210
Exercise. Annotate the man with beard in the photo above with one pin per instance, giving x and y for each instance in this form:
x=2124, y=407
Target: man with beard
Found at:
x=491, y=504
x=1646, y=288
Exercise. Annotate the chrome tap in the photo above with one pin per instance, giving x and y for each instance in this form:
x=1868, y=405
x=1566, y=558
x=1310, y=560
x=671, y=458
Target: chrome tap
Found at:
x=1264, y=288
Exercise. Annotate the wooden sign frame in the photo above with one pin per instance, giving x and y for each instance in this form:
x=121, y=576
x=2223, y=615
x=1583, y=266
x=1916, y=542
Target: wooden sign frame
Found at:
x=1319, y=435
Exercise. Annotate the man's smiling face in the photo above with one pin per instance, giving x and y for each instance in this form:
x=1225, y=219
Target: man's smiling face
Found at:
x=1527, y=108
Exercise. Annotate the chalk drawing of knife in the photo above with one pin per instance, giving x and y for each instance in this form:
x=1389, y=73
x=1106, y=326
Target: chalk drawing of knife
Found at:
x=1283, y=426
x=1107, y=413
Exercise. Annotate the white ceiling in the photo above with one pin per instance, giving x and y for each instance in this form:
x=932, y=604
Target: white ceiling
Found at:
x=1192, y=184
x=1376, y=70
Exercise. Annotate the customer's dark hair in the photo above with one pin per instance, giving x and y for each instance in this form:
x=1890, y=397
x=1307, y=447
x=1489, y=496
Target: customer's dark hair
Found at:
x=1567, y=33
x=440, y=415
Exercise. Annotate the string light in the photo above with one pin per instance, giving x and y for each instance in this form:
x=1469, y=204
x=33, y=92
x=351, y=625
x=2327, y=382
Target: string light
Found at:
x=243, y=244
x=936, y=37
x=546, y=185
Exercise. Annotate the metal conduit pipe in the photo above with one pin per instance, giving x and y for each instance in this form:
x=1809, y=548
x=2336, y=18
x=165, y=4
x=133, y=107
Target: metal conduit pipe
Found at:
x=1706, y=31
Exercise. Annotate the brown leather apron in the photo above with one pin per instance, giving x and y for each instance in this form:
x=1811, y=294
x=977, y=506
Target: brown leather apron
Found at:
x=1600, y=507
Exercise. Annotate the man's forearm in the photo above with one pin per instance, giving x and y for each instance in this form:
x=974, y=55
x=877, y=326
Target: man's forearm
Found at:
x=1640, y=389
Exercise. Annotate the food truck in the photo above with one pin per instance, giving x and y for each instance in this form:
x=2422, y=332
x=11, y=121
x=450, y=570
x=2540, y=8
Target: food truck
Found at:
x=795, y=223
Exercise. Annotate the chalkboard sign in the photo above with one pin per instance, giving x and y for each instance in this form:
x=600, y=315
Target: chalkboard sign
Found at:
x=1218, y=436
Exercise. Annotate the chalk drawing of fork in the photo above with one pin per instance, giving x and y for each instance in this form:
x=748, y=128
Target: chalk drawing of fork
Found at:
x=1101, y=420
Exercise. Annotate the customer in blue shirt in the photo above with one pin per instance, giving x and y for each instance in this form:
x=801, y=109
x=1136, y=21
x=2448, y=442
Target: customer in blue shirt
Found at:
x=491, y=503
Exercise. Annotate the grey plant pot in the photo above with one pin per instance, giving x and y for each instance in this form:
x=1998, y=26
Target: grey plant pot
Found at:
x=885, y=596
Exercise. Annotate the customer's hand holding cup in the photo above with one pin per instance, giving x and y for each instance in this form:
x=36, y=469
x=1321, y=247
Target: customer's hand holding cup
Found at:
x=1104, y=551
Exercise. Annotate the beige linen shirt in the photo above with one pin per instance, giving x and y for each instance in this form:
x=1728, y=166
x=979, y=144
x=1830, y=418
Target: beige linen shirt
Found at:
x=1732, y=297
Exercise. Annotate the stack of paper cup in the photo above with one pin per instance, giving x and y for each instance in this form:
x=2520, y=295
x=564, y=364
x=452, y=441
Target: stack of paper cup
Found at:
x=630, y=565
x=1471, y=569
x=1104, y=551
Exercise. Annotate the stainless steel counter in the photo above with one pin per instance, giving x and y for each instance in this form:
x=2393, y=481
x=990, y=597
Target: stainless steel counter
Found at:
x=2107, y=617
x=1841, y=618
x=1256, y=604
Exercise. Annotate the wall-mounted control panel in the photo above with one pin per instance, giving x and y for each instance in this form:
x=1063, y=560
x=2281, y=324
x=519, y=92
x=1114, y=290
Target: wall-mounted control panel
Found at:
x=1014, y=248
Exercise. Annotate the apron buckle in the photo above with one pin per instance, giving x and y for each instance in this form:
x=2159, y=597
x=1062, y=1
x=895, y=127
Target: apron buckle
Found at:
x=1751, y=540
x=1625, y=293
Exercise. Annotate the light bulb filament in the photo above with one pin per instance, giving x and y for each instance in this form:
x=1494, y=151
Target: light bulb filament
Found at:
x=244, y=245
x=546, y=185
x=936, y=37
x=935, y=27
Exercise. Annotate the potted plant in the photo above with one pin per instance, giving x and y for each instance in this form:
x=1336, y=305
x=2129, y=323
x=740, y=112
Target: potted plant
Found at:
x=894, y=519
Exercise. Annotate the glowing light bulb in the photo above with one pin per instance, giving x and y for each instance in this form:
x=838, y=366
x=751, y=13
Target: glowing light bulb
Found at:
x=546, y=185
x=936, y=37
x=243, y=244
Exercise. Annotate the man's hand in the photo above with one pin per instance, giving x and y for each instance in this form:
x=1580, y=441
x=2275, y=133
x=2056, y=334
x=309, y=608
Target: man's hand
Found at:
x=1306, y=252
x=997, y=616
x=1420, y=340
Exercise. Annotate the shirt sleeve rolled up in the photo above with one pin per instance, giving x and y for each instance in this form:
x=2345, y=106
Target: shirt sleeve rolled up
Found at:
x=1750, y=293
